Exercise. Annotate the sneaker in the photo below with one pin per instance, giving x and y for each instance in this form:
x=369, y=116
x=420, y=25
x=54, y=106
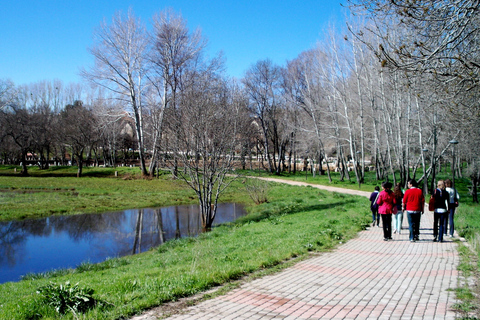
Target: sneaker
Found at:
x=394, y=231
x=435, y=239
x=450, y=236
x=412, y=240
x=385, y=239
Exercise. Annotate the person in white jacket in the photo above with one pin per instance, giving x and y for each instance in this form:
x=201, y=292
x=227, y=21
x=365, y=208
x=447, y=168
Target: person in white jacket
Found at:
x=452, y=205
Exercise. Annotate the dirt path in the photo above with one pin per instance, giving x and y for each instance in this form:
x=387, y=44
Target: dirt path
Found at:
x=328, y=188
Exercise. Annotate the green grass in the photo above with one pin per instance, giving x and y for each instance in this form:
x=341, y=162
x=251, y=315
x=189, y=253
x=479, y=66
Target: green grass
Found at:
x=58, y=192
x=467, y=223
x=295, y=221
x=468, y=302
x=33, y=197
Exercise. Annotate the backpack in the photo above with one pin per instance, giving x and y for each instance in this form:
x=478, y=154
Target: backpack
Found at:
x=431, y=202
x=374, y=204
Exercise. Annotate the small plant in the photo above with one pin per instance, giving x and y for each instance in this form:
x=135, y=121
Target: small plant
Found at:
x=257, y=190
x=332, y=234
x=65, y=297
x=309, y=246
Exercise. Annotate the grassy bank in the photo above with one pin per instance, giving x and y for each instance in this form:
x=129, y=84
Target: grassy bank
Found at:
x=295, y=221
x=58, y=192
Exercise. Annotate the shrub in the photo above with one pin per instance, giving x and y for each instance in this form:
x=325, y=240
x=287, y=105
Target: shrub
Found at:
x=257, y=190
x=65, y=297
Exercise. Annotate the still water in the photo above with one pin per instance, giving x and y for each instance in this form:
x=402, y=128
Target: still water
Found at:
x=40, y=245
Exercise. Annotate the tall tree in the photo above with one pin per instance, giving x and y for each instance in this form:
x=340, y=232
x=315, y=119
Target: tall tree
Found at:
x=15, y=123
x=7, y=93
x=78, y=131
x=305, y=86
x=120, y=66
x=263, y=83
x=174, y=48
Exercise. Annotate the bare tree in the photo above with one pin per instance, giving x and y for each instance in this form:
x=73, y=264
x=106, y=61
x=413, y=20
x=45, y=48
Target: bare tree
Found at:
x=446, y=36
x=78, y=131
x=263, y=83
x=7, y=93
x=114, y=127
x=15, y=123
x=204, y=128
x=174, y=48
x=44, y=100
x=306, y=88
x=336, y=72
x=120, y=66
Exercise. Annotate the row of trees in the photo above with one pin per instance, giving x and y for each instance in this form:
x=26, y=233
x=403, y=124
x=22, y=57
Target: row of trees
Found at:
x=379, y=93
x=432, y=47
x=40, y=126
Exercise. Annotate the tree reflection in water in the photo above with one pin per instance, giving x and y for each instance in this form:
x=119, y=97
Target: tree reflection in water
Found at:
x=40, y=245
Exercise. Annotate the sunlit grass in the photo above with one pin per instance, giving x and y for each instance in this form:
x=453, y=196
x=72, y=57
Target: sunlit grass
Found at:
x=44, y=194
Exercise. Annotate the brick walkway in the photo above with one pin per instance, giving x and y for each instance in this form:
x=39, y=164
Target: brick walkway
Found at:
x=365, y=278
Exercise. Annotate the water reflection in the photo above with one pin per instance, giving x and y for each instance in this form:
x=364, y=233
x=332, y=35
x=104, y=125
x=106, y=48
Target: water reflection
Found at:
x=32, y=246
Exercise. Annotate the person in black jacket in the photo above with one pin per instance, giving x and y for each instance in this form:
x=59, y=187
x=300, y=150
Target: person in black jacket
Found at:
x=442, y=198
x=374, y=206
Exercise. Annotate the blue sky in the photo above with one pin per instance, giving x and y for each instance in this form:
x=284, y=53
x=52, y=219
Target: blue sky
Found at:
x=48, y=39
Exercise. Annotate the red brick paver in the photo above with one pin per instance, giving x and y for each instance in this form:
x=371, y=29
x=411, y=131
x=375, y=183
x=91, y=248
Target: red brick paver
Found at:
x=365, y=278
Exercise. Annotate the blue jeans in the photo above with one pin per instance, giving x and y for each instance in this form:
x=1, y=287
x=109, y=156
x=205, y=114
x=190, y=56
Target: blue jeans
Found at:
x=446, y=222
x=439, y=219
x=375, y=216
x=397, y=221
x=414, y=224
x=451, y=215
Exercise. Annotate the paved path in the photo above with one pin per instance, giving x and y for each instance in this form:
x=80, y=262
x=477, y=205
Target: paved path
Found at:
x=365, y=278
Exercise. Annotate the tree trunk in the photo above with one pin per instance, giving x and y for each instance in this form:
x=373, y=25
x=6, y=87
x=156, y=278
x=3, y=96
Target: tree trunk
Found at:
x=24, y=171
x=137, y=242
x=79, y=165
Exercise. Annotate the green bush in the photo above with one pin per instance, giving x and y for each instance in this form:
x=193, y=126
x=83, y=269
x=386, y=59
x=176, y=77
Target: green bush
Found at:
x=65, y=297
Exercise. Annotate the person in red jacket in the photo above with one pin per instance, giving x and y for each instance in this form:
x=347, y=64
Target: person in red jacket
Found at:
x=414, y=204
x=385, y=201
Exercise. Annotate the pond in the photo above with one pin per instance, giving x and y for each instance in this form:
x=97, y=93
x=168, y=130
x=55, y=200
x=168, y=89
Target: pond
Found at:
x=58, y=242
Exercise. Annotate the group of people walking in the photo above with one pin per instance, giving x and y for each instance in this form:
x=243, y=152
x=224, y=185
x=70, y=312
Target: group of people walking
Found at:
x=391, y=205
